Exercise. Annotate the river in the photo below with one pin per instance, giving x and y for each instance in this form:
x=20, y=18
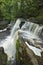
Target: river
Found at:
x=8, y=37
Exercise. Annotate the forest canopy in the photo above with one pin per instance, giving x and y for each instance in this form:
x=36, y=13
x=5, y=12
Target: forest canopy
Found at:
x=11, y=9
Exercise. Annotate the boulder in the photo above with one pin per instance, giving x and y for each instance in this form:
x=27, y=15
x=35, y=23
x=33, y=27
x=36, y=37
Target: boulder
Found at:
x=3, y=24
x=27, y=56
x=3, y=57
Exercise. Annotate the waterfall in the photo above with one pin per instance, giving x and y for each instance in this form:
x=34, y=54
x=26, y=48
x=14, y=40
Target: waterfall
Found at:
x=32, y=28
x=30, y=33
x=26, y=26
x=28, y=30
x=9, y=43
x=36, y=30
x=40, y=30
x=34, y=49
x=15, y=27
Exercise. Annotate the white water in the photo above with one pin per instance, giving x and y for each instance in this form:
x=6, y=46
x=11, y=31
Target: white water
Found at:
x=32, y=28
x=31, y=31
x=9, y=43
x=34, y=49
x=3, y=30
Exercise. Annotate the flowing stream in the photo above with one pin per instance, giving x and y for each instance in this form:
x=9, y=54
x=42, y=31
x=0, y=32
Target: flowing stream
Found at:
x=9, y=43
x=27, y=31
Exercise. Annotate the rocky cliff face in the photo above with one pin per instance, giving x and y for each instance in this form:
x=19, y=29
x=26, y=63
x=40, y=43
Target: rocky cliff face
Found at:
x=25, y=56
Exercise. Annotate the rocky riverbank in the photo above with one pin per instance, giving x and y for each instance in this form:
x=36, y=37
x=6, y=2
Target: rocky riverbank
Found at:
x=3, y=24
x=25, y=56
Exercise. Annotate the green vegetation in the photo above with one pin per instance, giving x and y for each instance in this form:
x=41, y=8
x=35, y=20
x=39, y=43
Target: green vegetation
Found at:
x=12, y=9
x=25, y=56
x=22, y=57
x=17, y=50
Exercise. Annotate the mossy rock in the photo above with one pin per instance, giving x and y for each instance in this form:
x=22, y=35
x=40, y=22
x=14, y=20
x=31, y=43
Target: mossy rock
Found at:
x=22, y=58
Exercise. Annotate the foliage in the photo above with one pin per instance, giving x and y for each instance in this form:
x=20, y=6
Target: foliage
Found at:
x=11, y=9
x=7, y=9
x=17, y=50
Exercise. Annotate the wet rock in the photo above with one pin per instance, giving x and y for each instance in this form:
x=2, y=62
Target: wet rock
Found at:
x=36, y=20
x=3, y=57
x=27, y=57
x=4, y=24
x=42, y=54
x=21, y=24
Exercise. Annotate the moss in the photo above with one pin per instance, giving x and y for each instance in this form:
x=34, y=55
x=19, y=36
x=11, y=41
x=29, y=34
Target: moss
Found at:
x=22, y=58
x=17, y=50
x=40, y=16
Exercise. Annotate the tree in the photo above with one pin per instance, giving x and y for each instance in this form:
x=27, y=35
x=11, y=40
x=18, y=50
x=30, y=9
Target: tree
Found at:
x=11, y=9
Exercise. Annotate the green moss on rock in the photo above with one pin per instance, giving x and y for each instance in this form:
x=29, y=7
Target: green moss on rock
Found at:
x=25, y=56
x=17, y=50
x=22, y=58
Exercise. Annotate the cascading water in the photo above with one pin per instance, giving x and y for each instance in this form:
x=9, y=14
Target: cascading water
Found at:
x=9, y=43
x=27, y=31
x=32, y=28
